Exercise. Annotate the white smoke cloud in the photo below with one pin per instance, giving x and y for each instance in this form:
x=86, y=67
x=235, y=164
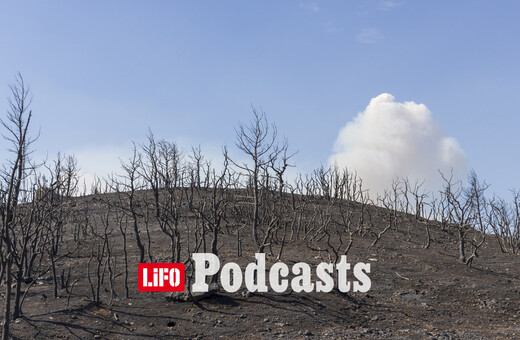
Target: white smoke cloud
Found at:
x=391, y=140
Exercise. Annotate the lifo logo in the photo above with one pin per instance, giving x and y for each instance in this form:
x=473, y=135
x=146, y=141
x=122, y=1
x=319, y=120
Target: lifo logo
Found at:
x=161, y=277
x=170, y=277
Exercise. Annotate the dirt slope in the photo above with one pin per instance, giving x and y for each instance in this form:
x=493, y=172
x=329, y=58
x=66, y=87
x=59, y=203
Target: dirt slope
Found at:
x=416, y=293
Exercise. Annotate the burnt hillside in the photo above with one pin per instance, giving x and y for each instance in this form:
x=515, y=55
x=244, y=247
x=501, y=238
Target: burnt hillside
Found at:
x=416, y=291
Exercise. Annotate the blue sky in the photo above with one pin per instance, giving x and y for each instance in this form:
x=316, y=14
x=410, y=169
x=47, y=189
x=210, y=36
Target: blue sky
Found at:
x=102, y=73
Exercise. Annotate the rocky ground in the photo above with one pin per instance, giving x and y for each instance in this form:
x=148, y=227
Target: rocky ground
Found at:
x=416, y=293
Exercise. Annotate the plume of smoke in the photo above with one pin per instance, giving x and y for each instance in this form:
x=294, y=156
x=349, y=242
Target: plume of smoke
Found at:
x=390, y=140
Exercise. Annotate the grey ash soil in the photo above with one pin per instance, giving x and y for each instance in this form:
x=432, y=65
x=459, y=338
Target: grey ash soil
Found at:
x=416, y=293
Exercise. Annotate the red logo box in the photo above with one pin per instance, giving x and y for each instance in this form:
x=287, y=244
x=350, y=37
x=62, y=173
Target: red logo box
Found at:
x=161, y=277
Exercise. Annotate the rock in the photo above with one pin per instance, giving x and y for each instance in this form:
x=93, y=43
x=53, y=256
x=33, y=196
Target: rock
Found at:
x=488, y=303
x=171, y=324
x=247, y=294
x=214, y=288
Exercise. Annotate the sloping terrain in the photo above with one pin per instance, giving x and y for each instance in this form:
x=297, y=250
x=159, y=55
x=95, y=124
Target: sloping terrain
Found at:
x=416, y=292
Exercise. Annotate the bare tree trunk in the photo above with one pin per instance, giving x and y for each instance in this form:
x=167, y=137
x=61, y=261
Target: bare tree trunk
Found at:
x=428, y=238
x=19, y=279
x=255, y=214
x=462, y=256
x=7, y=306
